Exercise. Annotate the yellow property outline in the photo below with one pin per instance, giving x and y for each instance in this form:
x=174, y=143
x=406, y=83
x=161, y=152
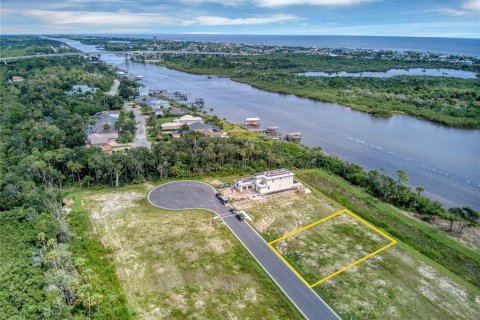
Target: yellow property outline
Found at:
x=270, y=244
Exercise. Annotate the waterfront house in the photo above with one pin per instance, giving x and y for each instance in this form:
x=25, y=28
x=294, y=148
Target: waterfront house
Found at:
x=268, y=182
x=174, y=111
x=180, y=123
x=207, y=129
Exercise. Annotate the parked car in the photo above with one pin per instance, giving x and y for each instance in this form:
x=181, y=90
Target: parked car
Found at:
x=224, y=185
x=239, y=217
x=223, y=199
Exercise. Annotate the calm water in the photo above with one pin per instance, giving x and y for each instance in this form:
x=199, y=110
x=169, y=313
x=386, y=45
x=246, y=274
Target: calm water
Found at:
x=446, y=161
x=397, y=72
x=439, y=45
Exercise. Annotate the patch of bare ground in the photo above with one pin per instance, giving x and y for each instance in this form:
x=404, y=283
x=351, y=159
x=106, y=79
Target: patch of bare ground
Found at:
x=182, y=265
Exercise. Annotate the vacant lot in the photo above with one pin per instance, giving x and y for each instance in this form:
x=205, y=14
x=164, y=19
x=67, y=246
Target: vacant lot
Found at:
x=282, y=213
x=329, y=246
x=398, y=283
x=181, y=264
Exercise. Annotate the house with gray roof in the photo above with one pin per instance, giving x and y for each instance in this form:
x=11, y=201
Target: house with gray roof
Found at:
x=208, y=129
x=81, y=89
x=102, y=133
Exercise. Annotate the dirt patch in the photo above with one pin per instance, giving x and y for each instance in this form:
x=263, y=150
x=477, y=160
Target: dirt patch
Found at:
x=112, y=203
x=67, y=202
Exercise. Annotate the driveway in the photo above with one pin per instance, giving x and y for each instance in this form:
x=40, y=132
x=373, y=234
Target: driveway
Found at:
x=141, y=132
x=114, y=89
x=197, y=195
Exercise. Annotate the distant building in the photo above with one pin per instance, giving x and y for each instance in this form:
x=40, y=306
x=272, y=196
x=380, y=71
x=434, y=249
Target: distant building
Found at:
x=155, y=39
x=81, y=88
x=180, y=123
x=268, y=182
x=252, y=122
x=103, y=133
x=207, y=129
x=174, y=111
x=121, y=73
x=293, y=136
x=16, y=79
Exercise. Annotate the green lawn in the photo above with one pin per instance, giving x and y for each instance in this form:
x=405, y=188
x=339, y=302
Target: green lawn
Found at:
x=329, y=246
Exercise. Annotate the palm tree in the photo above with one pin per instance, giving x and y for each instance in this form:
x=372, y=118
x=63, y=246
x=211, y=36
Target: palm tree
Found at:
x=419, y=190
x=106, y=126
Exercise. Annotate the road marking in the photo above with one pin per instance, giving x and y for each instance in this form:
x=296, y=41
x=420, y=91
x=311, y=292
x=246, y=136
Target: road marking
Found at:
x=350, y=213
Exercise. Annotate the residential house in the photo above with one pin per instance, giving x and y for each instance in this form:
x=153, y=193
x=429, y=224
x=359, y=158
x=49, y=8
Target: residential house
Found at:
x=174, y=111
x=81, y=89
x=268, y=182
x=102, y=133
x=180, y=123
x=207, y=129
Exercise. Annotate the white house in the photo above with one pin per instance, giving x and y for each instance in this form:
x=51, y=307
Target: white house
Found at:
x=176, y=124
x=267, y=182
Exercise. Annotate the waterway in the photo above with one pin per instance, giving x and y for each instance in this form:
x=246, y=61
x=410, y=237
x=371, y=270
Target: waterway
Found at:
x=451, y=73
x=445, y=161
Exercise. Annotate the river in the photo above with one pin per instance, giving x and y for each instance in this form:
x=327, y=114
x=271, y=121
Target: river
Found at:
x=445, y=161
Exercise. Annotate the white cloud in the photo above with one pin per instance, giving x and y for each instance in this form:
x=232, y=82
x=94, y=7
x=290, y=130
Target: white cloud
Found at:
x=222, y=21
x=99, y=18
x=140, y=20
x=281, y=3
x=469, y=7
x=325, y=3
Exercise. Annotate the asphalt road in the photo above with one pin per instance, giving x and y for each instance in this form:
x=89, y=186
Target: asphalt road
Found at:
x=141, y=132
x=114, y=89
x=197, y=195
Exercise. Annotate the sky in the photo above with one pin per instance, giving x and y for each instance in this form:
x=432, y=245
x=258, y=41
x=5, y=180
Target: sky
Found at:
x=415, y=18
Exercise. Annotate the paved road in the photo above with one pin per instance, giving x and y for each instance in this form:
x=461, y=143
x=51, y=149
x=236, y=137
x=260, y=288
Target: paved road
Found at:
x=114, y=88
x=192, y=194
x=141, y=133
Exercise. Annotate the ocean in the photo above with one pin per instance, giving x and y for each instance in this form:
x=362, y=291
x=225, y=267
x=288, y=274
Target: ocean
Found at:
x=457, y=46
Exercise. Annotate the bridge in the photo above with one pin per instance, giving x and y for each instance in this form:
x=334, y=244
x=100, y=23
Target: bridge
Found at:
x=127, y=54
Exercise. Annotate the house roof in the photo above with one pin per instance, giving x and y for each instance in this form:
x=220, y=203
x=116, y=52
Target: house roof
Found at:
x=274, y=174
x=189, y=117
x=199, y=126
x=101, y=138
x=176, y=111
x=204, y=126
x=81, y=88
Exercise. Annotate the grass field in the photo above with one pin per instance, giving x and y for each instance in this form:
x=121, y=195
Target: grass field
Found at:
x=397, y=283
x=179, y=264
x=327, y=247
